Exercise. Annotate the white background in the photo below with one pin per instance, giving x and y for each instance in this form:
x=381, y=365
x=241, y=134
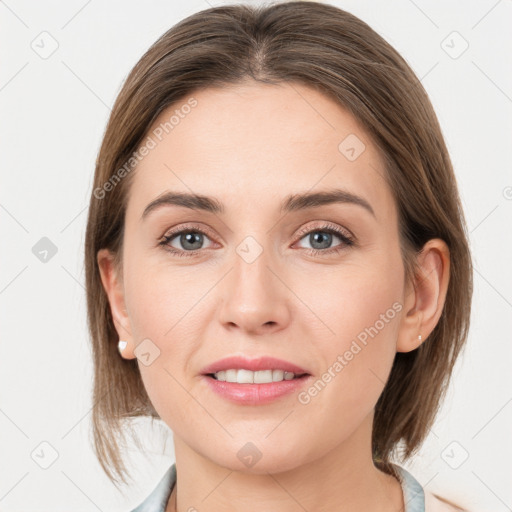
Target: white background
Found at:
x=54, y=112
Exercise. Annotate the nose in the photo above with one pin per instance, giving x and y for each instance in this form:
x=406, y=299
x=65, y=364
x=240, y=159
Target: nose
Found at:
x=254, y=297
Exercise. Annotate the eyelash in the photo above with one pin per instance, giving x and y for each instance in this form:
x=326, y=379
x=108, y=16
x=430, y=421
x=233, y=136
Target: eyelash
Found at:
x=326, y=228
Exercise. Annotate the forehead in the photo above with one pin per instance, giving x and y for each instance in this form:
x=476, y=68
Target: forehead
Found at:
x=259, y=142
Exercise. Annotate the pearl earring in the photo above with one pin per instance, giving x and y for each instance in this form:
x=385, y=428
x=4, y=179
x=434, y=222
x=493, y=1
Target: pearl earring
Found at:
x=419, y=337
x=121, y=345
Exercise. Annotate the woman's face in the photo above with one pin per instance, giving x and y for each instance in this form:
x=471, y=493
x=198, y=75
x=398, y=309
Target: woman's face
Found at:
x=265, y=274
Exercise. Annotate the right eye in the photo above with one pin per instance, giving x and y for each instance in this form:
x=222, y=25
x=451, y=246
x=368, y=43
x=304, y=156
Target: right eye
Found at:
x=185, y=242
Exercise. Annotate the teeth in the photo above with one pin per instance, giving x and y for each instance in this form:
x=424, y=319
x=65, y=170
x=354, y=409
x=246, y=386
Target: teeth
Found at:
x=248, y=377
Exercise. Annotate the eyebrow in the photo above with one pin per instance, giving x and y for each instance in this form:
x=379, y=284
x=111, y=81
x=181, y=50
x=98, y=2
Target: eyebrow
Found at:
x=291, y=203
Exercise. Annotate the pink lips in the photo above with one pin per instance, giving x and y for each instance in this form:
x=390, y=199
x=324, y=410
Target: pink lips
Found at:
x=261, y=363
x=254, y=394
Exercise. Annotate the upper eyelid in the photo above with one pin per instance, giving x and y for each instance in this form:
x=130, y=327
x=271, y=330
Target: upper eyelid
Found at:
x=187, y=227
x=326, y=226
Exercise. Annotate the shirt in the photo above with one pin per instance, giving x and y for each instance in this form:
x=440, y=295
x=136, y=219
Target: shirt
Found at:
x=415, y=498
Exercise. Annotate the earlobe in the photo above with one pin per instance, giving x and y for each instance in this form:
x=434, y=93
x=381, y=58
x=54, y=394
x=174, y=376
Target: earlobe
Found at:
x=424, y=301
x=113, y=286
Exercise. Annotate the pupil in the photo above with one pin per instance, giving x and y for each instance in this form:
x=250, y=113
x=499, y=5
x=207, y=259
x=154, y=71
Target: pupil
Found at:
x=321, y=237
x=191, y=238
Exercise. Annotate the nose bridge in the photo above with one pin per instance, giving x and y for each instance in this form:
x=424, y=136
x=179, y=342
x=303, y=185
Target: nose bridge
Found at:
x=253, y=298
x=251, y=270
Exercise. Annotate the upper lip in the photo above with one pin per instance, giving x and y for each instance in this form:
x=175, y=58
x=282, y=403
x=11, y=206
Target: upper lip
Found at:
x=260, y=363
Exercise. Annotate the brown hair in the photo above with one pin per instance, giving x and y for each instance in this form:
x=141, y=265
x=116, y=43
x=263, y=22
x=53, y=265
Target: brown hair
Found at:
x=324, y=47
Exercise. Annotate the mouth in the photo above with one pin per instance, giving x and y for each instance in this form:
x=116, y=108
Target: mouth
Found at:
x=245, y=381
x=251, y=388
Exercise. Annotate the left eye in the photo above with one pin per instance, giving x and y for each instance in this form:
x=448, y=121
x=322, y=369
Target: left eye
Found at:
x=321, y=239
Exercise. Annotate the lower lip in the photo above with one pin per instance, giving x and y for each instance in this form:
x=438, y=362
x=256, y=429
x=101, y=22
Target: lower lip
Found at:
x=255, y=394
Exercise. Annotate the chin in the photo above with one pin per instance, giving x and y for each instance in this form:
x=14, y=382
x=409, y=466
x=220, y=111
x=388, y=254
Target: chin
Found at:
x=258, y=458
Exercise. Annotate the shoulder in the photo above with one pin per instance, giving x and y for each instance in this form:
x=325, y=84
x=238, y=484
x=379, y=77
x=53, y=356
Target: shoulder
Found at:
x=435, y=503
x=418, y=499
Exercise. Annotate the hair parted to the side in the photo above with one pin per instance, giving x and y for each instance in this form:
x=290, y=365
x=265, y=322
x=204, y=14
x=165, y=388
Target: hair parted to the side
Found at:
x=324, y=47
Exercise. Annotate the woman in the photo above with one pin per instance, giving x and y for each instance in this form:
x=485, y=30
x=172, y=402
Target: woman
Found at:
x=276, y=247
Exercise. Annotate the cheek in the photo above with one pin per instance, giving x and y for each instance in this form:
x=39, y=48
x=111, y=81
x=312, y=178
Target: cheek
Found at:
x=164, y=306
x=359, y=310
x=352, y=297
x=159, y=296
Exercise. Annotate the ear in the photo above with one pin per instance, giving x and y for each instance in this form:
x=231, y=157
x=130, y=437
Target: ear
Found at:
x=112, y=280
x=424, y=299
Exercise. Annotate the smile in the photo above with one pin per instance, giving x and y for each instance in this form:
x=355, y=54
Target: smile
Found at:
x=242, y=376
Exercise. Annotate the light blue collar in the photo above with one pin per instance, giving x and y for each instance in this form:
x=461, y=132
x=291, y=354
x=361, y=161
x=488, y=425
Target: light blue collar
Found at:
x=414, y=497
x=157, y=500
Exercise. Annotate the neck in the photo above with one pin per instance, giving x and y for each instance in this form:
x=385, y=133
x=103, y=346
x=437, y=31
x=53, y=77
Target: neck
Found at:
x=344, y=479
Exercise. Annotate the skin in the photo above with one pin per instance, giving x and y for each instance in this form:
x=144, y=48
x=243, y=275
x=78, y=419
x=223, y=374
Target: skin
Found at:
x=249, y=146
